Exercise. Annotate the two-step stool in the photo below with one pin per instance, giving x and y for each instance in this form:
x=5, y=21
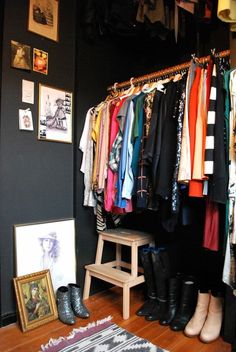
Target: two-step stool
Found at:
x=112, y=271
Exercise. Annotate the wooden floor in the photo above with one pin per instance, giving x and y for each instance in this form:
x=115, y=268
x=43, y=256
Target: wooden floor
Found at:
x=100, y=306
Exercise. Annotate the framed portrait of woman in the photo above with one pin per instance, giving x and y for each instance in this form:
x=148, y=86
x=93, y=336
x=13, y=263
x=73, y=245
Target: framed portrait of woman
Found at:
x=47, y=246
x=35, y=299
x=43, y=18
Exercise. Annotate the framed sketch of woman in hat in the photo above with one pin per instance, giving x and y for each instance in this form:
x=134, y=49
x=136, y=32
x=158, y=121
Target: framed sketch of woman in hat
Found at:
x=47, y=246
x=50, y=247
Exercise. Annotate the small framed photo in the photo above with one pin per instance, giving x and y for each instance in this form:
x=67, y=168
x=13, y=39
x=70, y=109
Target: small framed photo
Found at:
x=20, y=56
x=43, y=18
x=40, y=61
x=25, y=120
x=54, y=245
x=55, y=114
x=35, y=299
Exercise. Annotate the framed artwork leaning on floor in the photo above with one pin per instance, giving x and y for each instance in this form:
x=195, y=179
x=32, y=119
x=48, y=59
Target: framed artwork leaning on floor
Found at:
x=47, y=245
x=35, y=299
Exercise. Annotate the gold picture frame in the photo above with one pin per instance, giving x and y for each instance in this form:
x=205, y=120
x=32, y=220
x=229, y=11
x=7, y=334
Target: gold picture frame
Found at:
x=35, y=299
x=43, y=18
x=55, y=116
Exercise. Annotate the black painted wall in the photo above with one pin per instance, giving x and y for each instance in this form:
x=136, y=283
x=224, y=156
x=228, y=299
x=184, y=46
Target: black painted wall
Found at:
x=36, y=176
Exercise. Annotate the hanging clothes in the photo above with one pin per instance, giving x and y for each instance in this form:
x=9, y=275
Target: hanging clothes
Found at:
x=135, y=166
x=181, y=94
x=143, y=183
x=86, y=145
x=211, y=228
x=210, y=138
x=229, y=272
x=195, y=186
x=165, y=168
x=184, y=174
x=109, y=197
x=219, y=181
x=199, y=147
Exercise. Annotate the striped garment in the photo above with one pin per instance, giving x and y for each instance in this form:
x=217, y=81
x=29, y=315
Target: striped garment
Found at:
x=210, y=134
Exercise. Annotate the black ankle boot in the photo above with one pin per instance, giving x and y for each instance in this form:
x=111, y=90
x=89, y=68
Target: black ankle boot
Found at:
x=65, y=311
x=173, y=300
x=161, y=270
x=186, y=307
x=77, y=302
x=146, y=260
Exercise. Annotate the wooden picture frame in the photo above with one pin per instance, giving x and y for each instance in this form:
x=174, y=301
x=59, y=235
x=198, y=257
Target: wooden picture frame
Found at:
x=43, y=18
x=35, y=299
x=55, y=117
x=53, y=244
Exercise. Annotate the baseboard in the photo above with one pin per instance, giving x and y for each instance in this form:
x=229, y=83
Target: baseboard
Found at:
x=7, y=319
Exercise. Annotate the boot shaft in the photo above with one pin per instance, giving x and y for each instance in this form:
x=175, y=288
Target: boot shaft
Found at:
x=188, y=298
x=161, y=264
x=161, y=271
x=76, y=300
x=64, y=308
x=146, y=260
x=63, y=295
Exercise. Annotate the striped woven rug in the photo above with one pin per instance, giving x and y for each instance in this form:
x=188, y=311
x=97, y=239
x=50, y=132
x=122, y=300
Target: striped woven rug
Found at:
x=100, y=336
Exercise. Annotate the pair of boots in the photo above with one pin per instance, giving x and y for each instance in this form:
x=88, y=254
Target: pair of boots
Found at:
x=70, y=304
x=156, y=267
x=207, y=319
x=181, y=303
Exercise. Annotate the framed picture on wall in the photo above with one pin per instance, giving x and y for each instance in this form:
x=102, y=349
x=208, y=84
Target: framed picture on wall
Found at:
x=43, y=18
x=20, y=56
x=25, y=120
x=35, y=299
x=40, y=61
x=55, y=115
x=47, y=245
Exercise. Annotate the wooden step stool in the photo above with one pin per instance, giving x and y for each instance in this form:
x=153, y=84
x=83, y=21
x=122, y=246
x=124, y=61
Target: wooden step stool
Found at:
x=112, y=271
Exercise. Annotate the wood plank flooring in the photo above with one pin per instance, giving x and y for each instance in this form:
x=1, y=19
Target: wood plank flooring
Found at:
x=100, y=306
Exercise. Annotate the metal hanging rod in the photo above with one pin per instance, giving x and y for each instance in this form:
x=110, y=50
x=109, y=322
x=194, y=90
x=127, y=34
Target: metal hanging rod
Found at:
x=166, y=71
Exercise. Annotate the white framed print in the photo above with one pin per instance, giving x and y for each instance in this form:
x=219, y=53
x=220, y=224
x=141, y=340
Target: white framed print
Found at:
x=47, y=246
x=55, y=114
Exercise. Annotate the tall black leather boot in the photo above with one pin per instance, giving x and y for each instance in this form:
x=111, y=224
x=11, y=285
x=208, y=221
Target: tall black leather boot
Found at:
x=65, y=311
x=77, y=302
x=161, y=270
x=188, y=300
x=146, y=260
x=173, y=300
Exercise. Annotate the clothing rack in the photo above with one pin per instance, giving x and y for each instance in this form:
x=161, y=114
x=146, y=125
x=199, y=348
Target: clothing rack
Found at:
x=167, y=71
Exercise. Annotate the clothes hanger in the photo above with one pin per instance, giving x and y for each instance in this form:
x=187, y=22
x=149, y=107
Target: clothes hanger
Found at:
x=150, y=86
x=132, y=90
x=114, y=93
